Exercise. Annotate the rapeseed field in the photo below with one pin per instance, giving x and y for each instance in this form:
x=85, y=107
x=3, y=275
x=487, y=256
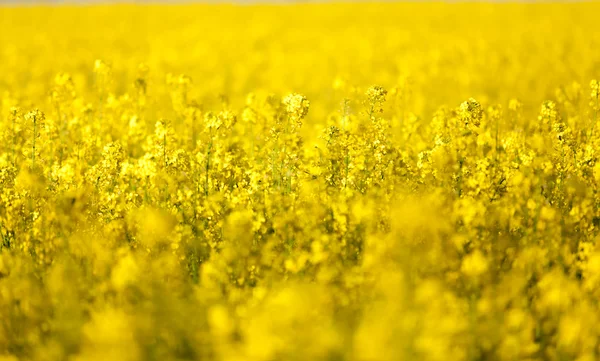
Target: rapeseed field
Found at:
x=362, y=182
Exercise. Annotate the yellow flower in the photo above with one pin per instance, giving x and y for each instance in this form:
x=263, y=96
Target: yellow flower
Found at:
x=474, y=264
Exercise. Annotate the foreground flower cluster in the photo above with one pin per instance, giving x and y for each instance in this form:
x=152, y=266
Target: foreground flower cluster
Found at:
x=274, y=204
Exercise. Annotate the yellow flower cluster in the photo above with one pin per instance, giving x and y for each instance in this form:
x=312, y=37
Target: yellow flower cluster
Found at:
x=228, y=183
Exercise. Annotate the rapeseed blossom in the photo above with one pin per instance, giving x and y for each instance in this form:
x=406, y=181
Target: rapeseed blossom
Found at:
x=403, y=188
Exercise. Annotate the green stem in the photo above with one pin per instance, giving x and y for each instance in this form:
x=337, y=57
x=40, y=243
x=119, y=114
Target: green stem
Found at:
x=208, y=153
x=165, y=149
x=33, y=146
x=460, y=174
x=347, y=161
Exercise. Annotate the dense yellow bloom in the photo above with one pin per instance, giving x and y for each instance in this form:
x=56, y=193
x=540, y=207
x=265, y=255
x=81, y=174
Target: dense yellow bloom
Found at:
x=358, y=182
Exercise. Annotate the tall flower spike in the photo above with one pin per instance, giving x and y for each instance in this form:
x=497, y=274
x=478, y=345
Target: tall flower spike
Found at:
x=296, y=106
x=35, y=120
x=375, y=99
x=471, y=112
